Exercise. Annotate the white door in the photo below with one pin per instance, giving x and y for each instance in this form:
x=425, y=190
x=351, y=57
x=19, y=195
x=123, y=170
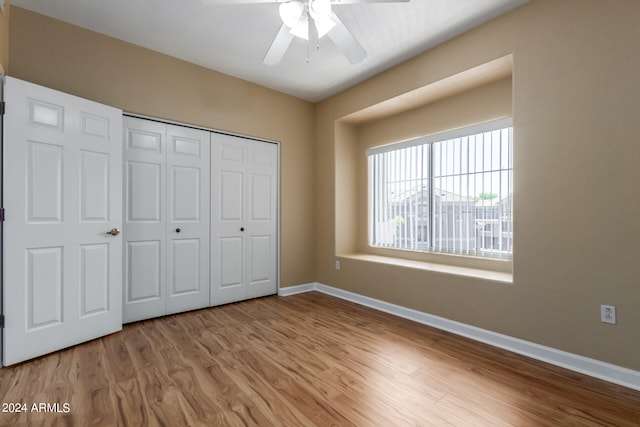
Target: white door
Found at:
x=62, y=195
x=244, y=225
x=166, y=219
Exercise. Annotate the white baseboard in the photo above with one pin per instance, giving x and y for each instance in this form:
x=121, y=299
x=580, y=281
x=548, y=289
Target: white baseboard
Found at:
x=584, y=365
x=292, y=290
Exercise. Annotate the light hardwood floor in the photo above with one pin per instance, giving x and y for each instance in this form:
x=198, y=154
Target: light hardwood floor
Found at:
x=303, y=360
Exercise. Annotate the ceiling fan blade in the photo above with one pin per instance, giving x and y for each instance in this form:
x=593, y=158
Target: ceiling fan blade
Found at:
x=339, y=2
x=278, y=47
x=313, y=33
x=346, y=42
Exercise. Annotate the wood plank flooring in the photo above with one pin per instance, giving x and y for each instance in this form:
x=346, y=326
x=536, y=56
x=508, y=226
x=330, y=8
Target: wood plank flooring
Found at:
x=303, y=360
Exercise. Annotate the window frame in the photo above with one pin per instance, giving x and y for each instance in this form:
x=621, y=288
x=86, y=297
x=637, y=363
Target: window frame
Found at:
x=430, y=140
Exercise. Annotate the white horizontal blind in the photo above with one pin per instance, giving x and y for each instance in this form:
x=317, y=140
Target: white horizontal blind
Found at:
x=450, y=192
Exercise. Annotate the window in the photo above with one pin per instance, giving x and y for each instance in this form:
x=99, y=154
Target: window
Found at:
x=451, y=192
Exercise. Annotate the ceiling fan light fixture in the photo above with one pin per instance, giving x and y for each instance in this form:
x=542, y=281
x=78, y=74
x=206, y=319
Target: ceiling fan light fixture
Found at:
x=301, y=29
x=291, y=13
x=320, y=10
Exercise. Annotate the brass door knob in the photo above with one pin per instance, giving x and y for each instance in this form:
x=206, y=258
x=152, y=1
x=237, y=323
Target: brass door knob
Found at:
x=114, y=231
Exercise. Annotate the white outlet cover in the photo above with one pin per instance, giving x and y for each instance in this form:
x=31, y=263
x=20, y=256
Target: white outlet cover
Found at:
x=608, y=314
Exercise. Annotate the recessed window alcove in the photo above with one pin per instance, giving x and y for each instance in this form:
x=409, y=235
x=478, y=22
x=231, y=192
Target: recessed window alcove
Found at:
x=476, y=95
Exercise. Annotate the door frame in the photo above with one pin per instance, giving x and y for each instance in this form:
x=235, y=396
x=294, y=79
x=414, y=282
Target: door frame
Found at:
x=268, y=141
x=2, y=80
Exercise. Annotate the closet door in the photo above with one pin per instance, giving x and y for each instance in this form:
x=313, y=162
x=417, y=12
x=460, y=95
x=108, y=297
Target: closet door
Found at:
x=243, y=218
x=166, y=219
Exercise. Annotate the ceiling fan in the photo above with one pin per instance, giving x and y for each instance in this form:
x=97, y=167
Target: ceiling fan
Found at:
x=310, y=20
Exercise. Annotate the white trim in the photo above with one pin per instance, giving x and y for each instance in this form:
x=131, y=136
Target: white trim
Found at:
x=584, y=365
x=299, y=289
x=187, y=125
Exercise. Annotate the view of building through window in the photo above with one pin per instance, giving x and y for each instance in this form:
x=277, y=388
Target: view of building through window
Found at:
x=453, y=195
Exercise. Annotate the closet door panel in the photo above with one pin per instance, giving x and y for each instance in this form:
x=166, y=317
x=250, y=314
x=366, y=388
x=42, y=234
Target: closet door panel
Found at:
x=244, y=218
x=144, y=227
x=188, y=166
x=261, y=223
x=186, y=267
x=228, y=177
x=144, y=192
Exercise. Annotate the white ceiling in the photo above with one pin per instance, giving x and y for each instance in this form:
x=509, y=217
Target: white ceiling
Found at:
x=233, y=39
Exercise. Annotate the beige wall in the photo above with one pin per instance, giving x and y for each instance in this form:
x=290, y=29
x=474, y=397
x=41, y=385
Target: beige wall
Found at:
x=4, y=38
x=64, y=57
x=574, y=103
x=577, y=202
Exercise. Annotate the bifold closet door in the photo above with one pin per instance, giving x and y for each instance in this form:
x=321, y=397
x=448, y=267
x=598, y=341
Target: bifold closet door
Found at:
x=244, y=225
x=166, y=227
x=62, y=249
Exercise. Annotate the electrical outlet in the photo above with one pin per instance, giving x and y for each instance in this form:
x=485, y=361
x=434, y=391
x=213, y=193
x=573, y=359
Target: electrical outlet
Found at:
x=608, y=314
x=337, y=264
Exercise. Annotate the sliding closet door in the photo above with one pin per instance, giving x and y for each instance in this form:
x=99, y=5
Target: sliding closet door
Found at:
x=243, y=218
x=62, y=253
x=166, y=219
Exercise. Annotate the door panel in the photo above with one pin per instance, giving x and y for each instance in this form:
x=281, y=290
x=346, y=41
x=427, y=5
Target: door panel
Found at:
x=188, y=161
x=94, y=187
x=185, y=203
x=231, y=255
x=151, y=139
x=186, y=260
x=262, y=225
x=145, y=188
x=261, y=197
x=261, y=256
x=184, y=145
x=95, y=126
x=44, y=188
x=231, y=196
x=63, y=181
x=167, y=226
x=145, y=271
x=45, y=114
x=244, y=219
x=94, y=287
x=228, y=172
x=145, y=220
x=44, y=287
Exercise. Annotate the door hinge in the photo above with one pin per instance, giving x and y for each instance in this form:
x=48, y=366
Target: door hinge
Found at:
x=2, y=108
x=1, y=214
x=1, y=321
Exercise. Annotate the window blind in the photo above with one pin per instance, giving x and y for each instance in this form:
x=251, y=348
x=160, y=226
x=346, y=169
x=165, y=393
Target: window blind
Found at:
x=451, y=192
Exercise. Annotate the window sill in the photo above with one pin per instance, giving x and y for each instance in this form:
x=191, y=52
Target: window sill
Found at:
x=496, y=276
